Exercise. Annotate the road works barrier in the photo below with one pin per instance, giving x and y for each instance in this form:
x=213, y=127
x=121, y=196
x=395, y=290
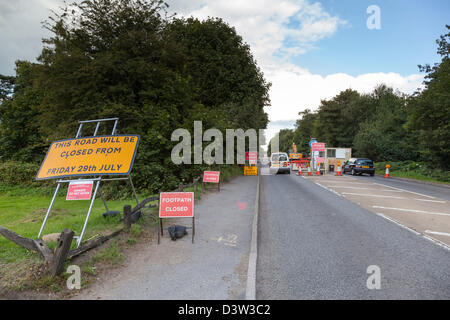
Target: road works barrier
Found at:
x=386, y=175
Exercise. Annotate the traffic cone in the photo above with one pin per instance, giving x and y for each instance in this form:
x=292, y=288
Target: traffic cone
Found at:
x=309, y=171
x=338, y=172
x=299, y=173
x=318, y=171
x=386, y=175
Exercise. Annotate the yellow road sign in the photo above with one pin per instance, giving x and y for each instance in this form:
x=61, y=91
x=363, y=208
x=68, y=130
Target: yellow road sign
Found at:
x=89, y=156
x=250, y=171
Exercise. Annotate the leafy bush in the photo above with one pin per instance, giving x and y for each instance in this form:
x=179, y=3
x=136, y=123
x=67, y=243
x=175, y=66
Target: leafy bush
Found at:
x=415, y=170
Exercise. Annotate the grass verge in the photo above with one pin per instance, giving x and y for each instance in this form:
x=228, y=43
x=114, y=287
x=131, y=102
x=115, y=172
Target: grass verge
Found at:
x=414, y=170
x=23, y=209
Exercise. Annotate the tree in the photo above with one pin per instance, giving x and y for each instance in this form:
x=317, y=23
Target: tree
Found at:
x=127, y=59
x=6, y=87
x=429, y=109
x=304, y=131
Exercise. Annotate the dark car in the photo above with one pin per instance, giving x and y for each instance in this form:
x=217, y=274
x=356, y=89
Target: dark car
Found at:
x=359, y=166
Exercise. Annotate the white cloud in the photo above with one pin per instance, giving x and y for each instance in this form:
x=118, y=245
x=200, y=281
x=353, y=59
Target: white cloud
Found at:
x=275, y=29
x=295, y=90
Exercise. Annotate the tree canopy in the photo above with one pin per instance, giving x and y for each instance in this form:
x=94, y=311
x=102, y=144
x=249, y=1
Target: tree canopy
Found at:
x=129, y=59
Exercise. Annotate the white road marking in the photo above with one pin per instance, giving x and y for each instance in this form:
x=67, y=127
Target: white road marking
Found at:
x=435, y=241
x=437, y=201
x=414, y=211
x=391, y=197
x=334, y=181
x=372, y=195
x=331, y=190
x=359, y=188
x=438, y=233
x=420, y=194
x=398, y=223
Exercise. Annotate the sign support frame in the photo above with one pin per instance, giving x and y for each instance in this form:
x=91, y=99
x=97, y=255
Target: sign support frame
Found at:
x=98, y=179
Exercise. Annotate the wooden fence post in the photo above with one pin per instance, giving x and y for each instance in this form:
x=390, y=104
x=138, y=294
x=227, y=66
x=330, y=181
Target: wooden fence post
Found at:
x=61, y=252
x=127, y=217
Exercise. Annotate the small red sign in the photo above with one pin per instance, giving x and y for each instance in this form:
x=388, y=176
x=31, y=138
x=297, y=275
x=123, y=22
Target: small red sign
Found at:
x=320, y=160
x=176, y=205
x=80, y=190
x=211, y=176
x=251, y=156
x=319, y=146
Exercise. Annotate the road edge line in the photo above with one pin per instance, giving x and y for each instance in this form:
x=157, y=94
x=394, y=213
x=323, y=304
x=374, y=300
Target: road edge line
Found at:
x=250, y=291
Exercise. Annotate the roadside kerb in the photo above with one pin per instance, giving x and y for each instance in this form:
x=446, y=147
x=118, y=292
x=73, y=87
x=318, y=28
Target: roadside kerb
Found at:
x=250, y=292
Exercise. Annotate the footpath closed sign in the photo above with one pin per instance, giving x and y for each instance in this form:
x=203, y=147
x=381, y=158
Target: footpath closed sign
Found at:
x=211, y=176
x=100, y=155
x=176, y=205
x=80, y=190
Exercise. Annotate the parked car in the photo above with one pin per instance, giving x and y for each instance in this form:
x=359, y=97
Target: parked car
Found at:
x=359, y=166
x=280, y=162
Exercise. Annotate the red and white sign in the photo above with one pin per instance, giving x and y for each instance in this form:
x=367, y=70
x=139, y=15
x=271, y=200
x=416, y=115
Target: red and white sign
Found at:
x=251, y=156
x=211, y=176
x=320, y=160
x=318, y=146
x=80, y=190
x=176, y=205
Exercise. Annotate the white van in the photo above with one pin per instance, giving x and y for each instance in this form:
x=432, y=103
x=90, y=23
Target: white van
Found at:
x=280, y=162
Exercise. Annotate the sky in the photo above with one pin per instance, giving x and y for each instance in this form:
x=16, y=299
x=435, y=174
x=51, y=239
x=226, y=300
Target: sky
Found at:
x=308, y=49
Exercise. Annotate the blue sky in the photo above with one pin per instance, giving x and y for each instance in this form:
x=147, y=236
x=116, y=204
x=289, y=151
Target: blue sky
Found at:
x=406, y=38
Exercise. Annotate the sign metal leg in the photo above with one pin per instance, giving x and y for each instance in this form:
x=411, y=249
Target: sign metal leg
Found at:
x=88, y=214
x=193, y=228
x=48, y=210
x=103, y=198
x=134, y=190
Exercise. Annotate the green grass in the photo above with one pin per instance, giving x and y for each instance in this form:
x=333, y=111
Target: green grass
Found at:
x=414, y=170
x=24, y=215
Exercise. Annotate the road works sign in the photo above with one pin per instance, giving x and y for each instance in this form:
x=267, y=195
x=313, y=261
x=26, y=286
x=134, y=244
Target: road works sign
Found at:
x=211, y=176
x=252, y=157
x=80, y=190
x=250, y=170
x=99, y=155
x=176, y=205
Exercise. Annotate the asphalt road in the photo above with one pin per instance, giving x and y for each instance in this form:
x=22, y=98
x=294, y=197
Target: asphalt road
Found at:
x=315, y=244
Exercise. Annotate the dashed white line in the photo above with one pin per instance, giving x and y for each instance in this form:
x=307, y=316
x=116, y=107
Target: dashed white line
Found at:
x=359, y=188
x=438, y=233
x=391, y=197
x=435, y=241
x=420, y=194
x=398, y=223
x=413, y=211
